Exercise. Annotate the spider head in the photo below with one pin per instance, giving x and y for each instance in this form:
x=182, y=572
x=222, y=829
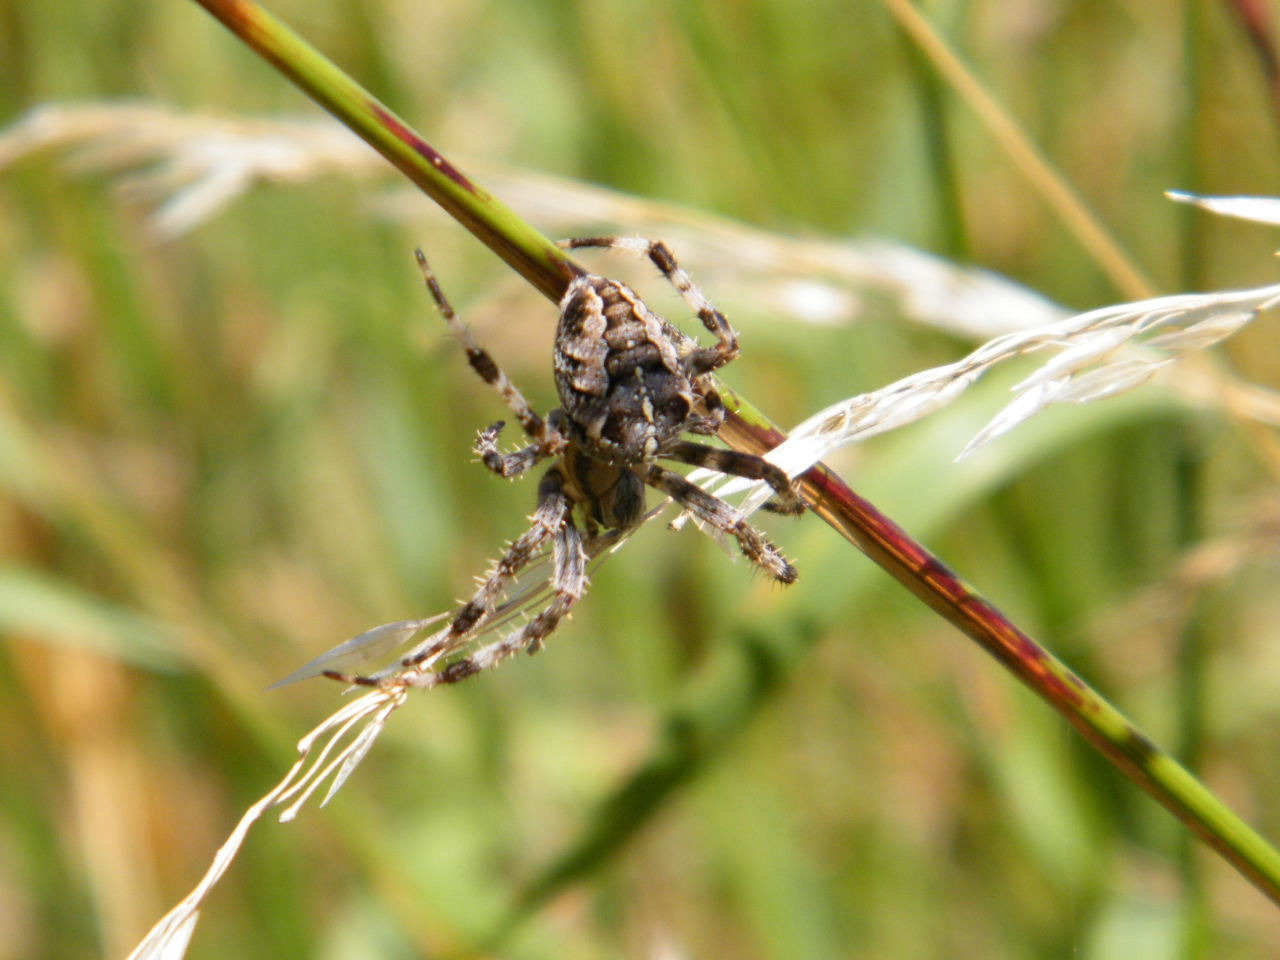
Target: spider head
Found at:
x=612, y=496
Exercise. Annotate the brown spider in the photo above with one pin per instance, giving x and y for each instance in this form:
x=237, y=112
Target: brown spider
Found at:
x=630, y=385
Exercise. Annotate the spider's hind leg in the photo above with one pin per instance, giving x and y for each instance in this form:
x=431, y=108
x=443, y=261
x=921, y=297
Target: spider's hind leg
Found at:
x=720, y=515
x=702, y=359
x=547, y=439
x=739, y=464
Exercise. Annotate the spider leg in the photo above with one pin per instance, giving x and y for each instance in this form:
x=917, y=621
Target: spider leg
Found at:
x=569, y=581
x=548, y=519
x=547, y=522
x=739, y=464
x=702, y=359
x=545, y=436
x=713, y=403
x=720, y=515
x=505, y=464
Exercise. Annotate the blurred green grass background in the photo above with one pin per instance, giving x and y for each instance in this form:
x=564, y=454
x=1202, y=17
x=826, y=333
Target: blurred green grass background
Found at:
x=222, y=454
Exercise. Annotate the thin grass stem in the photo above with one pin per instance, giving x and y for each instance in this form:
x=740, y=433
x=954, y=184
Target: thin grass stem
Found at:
x=1048, y=182
x=536, y=259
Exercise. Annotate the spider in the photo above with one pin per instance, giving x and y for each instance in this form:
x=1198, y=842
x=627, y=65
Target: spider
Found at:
x=630, y=385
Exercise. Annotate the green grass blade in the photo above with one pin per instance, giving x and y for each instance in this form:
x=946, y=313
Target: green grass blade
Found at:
x=693, y=735
x=527, y=251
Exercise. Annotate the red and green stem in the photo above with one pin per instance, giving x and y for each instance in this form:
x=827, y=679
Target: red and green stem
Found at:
x=549, y=269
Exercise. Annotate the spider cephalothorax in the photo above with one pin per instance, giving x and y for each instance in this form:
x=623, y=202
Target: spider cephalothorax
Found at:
x=630, y=384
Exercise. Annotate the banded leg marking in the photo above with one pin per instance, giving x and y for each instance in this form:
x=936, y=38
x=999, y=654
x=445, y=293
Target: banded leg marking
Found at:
x=720, y=515
x=548, y=440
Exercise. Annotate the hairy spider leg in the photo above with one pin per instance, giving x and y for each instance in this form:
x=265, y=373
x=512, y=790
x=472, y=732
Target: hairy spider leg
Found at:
x=740, y=464
x=568, y=583
x=713, y=403
x=518, y=461
x=550, y=521
x=701, y=360
x=547, y=440
x=720, y=515
x=550, y=516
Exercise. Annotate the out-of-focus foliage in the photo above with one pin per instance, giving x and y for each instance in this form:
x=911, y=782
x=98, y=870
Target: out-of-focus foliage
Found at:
x=222, y=454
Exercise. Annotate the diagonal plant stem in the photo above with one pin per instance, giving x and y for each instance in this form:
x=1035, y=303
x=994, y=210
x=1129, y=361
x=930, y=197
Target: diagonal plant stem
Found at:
x=527, y=251
x=1256, y=22
x=549, y=269
x=1048, y=182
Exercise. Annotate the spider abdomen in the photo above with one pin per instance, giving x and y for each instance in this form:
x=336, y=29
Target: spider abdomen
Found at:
x=623, y=386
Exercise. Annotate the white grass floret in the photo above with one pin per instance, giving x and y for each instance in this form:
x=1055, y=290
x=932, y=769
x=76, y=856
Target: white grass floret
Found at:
x=1257, y=209
x=168, y=939
x=192, y=166
x=1101, y=353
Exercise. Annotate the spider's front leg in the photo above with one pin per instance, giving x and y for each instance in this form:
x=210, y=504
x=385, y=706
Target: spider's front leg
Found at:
x=713, y=510
x=551, y=520
x=518, y=461
x=568, y=583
